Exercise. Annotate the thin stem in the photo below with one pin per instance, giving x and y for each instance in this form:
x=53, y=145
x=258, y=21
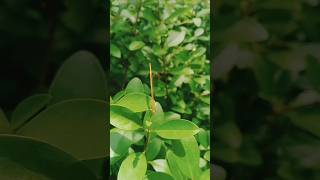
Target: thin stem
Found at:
x=153, y=106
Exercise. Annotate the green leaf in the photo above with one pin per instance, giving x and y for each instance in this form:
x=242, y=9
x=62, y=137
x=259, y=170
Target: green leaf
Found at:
x=133, y=136
x=203, y=138
x=197, y=21
x=119, y=145
x=135, y=45
x=198, y=32
x=115, y=51
x=172, y=116
x=26, y=158
x=76, y=126
x=205, y=175
x=175, y=38
x=136, y=102
x=153, y=149
x=247, y=30
x=207, y=156
x=313, y=72
x=81, y=76
x=307, y=119
x=160, y=165
x=28, y=108
x=124, y=118
x=133, y=167
x=174, y=166
x=135, y=85
x=4, y=124
x=148, y=14
x=187, y=155
x=177, y=129
x=118, y=96
x=157, y=117
x=97, y=166
x=158, y=176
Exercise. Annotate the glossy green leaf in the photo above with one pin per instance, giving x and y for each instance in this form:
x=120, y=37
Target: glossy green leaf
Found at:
x=203, y=138
x=81, y=76
x=135, y=45
x=175, y=38
x=120, y=141
x=76, y=126
x=28, y=159
x=4, y=124
x=115, y=51
x=160, y=165
x=133, y=167
x=157, y=117
x=119, y=145
x=124, y=118
x=187, y=155
x=135, y=85
x=177, y=129
x=136, y=102
x=118, y=96
x=158, y=176
x=28, y=108
x=133, y=136
x=153, y=148
x=174, y=166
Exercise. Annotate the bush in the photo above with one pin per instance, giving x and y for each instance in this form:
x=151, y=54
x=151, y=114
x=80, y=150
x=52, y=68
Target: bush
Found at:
x=174, y=37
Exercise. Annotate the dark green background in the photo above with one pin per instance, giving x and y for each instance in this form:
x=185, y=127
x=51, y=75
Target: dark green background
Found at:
x=36, y=38
x=266, y=70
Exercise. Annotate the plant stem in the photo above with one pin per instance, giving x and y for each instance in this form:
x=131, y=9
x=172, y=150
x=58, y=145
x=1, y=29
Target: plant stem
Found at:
x=153, y=107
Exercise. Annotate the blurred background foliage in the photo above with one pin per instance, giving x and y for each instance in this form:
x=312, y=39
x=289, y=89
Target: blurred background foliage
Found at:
x=266, y=72
x=37, y=36
x=49, y=125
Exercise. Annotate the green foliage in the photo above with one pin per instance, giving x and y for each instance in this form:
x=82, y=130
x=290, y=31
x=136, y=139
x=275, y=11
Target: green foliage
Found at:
x=144, y=137
x=63, y=129
x=174, y=37
x=266, y=83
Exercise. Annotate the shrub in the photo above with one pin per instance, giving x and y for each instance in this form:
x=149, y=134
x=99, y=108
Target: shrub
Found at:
x=143, y=134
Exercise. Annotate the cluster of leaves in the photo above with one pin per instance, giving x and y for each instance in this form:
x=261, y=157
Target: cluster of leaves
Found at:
x=266, y=78
x=174, y=37
x=142, y=136
x=59, y=134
